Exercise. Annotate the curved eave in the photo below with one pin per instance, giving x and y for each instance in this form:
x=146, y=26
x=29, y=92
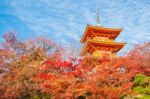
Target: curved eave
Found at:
x=119, y=46
x=105, y=43
x=90, y=28
x=105, y=28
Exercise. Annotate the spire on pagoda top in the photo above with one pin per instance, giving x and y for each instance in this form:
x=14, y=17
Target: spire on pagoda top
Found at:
x=97, y=17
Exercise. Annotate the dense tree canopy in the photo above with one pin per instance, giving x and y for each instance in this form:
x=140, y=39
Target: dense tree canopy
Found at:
x=38, y=69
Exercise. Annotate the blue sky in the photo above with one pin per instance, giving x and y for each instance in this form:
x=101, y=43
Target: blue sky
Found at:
x=64, y=21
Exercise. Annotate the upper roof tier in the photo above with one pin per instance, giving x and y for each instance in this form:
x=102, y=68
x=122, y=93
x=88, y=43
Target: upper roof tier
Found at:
x=107, y=32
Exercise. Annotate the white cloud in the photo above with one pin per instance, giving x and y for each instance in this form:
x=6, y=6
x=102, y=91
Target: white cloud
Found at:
x=67, y=19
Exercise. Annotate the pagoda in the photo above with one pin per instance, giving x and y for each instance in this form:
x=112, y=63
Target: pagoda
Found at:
x=98, y=39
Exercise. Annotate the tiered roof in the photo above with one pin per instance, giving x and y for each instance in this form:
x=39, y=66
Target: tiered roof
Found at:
x=92, y=45
x=108, y=44
x=105, y=32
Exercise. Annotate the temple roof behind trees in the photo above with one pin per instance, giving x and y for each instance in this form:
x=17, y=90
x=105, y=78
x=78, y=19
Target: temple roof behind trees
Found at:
x=99, y=29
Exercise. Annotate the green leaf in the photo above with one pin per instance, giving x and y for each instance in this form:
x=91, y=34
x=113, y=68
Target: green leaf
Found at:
x=141, y=79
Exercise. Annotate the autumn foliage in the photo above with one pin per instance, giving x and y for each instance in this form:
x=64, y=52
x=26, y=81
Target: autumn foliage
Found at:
x=39, y=69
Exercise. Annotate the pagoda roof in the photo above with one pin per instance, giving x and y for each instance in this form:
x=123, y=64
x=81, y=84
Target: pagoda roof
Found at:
x=114, y=45
x=99, y=29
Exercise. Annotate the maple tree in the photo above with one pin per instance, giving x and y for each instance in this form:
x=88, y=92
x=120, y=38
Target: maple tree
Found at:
x=21, y=64
x=39, y=69
x=95, y=77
